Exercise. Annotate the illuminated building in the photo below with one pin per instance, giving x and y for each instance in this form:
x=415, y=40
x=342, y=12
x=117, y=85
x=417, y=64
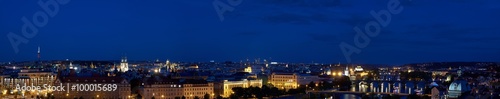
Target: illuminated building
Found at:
x=162, y=88
x=254, y=69
x=244, y=83
x=171, y=66
x=358, y=69
x=28, y=77
x=167, y=89
x=193, y=88
x=193, y=67
x=248, y=69
x=284, y=80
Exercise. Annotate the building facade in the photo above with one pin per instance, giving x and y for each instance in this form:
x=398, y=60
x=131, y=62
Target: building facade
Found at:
x=244, y=83
x=177, y=88
x=284, y=80
x=26, y=77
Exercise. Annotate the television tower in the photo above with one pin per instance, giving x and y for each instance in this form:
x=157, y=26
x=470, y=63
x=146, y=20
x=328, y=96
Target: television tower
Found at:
x=38, y=53
x=39, y=61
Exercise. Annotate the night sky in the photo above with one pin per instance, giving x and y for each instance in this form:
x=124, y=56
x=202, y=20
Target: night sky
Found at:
x=284, y=30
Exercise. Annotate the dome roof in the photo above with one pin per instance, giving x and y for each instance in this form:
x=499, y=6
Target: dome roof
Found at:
x=434, y=84
x=459, y=85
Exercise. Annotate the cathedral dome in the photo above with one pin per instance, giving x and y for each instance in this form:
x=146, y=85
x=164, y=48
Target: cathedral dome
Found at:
x=434, y=84
x=458, y=87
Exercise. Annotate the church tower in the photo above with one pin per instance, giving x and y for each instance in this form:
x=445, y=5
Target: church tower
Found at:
x=346, y=71
x=124, y=65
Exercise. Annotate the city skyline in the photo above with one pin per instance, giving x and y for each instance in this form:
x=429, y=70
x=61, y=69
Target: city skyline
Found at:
x=289, y=31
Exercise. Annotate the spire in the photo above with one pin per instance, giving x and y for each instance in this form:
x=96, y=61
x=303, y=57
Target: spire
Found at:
x=124, y=64
x=124, y=59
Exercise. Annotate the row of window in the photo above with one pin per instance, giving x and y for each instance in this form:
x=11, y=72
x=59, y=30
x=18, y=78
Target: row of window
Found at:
x=281, y=80
x=195, y=89
x=283, y=77
x=165, y=89
x=195, y=93
x=94, y=80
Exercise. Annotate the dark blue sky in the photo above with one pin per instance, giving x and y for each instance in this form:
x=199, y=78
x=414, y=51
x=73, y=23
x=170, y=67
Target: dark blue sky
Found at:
x=285, y=30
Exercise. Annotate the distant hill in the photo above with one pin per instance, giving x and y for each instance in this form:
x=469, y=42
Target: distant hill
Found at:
x=435, y=65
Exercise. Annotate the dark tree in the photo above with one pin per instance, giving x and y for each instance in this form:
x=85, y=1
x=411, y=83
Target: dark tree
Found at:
x=413, y=96
x=238, y=91
x=326, y=86
x=311, y=85
x=344, y=82
x=312, y=96
x=275, y=92
x=365, y=97
x=390, y=97
x=417, y=75
x=139, y=96
x=257, y=92
x=265, y=91
x=233, y=96
x=322, y=96
x=219, y=97
x=206, y=96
